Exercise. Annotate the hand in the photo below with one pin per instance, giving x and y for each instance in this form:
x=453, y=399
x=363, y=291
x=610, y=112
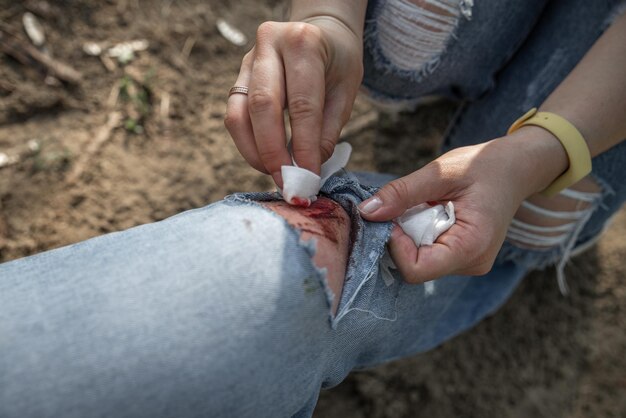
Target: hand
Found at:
x=486, y=183
x=312, y=68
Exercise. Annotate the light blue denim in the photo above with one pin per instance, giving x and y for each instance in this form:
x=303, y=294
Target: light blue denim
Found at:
x=220, y=311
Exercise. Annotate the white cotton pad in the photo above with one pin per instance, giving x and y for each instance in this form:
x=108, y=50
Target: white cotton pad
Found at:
x=337, y=161
x=424, y=223
x=301, y=186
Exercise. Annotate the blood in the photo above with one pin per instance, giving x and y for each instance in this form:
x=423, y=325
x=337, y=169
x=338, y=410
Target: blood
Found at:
x=323, y=208
x=300, y=202
x=328, y=217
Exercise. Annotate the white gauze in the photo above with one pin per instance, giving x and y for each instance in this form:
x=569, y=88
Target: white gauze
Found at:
x=423, y=223
x=301, y=186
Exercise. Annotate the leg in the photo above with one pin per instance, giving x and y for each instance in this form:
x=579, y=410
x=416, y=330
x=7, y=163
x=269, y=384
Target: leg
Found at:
x=217, y=311
x=327, y=223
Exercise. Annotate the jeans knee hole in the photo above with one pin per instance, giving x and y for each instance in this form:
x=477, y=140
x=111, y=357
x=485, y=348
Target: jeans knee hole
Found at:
x=414, y=33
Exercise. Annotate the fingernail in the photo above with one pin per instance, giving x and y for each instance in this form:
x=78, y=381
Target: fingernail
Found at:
x=370, y=205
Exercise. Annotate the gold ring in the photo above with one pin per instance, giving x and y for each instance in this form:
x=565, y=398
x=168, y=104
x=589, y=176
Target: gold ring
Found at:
x=238, y=90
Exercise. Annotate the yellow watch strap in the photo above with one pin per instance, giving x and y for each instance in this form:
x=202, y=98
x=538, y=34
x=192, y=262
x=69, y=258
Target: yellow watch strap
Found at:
x=572, y=141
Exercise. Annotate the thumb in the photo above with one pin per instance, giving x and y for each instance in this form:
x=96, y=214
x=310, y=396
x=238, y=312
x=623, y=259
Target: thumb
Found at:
x=394, y=198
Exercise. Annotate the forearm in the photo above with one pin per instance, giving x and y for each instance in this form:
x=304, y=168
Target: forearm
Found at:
x=593, y=98
x=350, y=13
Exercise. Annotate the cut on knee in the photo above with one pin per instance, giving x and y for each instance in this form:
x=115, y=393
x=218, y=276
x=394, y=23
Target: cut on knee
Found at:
x=328, y=224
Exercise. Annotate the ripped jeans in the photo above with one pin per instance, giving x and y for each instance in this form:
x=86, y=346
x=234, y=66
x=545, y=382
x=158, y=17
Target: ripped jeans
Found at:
x=221, y=312
x=217, y=311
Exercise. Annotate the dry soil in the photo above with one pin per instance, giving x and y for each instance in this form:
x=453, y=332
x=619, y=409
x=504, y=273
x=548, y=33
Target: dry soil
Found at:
x=541, y=355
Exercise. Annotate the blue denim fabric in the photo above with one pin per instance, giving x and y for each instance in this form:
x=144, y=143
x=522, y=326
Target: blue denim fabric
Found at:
x=220, y=311
x=215, y=312
x=476, y=53
x=467, y=68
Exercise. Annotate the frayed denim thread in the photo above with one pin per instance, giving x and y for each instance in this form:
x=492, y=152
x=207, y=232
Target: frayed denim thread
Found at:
x=381, y=62
x=364, y=277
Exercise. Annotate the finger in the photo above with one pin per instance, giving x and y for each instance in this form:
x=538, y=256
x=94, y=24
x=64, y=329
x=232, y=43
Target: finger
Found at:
x=336, y=113
x=393, y=199
x=423, y=264
x=305, y=80
x=403, y=251
x=237, y=119
x=266, y=97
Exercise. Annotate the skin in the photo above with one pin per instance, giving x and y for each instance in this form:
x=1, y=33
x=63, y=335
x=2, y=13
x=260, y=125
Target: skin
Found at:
x=326, y=222
x=312, y=66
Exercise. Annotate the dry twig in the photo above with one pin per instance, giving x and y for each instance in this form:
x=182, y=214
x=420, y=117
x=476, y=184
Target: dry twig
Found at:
x=25, y=53
x=164, y=108
x=101, y=137
x=187, y=47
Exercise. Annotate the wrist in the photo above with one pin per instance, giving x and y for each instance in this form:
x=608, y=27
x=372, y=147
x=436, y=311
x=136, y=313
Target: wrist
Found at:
x=350, y=14
x=538, y=158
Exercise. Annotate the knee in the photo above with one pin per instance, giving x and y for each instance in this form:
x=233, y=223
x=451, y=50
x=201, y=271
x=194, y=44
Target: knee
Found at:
x=254, y=260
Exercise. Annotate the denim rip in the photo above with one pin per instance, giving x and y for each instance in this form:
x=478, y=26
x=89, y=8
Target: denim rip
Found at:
x=608, y=173
x=557, y=249
x=365, y=287
x=375, y=57
x=371, y=38
x=412, y=35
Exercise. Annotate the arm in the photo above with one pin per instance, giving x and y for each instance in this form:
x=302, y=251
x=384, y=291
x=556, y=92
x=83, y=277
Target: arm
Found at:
x=488, y=182
x=593, y=98
x=600, y=80
x=313, y=67
x=348, y=13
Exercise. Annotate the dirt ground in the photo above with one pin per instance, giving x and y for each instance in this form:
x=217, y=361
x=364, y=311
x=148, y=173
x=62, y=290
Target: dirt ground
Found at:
x=136, y=143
